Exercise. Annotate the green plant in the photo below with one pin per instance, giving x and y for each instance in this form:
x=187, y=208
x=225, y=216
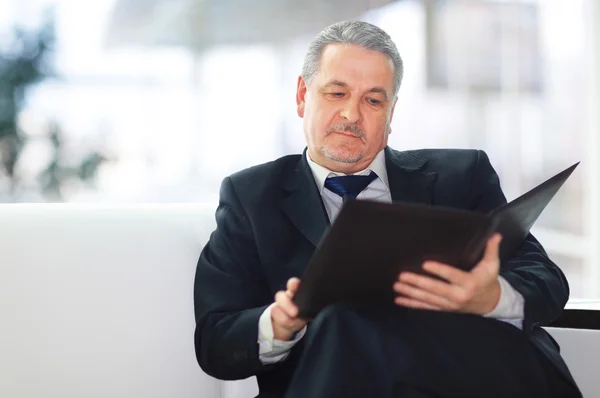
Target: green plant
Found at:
x=27, y=61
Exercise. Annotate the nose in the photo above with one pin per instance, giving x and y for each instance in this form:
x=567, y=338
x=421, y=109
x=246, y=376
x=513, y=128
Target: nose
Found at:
x=351, y=111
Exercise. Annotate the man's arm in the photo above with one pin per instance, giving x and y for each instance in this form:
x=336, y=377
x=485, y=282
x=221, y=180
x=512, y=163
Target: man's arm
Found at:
x=530, y=272
x=230, y=295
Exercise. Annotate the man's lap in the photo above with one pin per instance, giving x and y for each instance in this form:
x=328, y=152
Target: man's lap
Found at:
x=445, y=353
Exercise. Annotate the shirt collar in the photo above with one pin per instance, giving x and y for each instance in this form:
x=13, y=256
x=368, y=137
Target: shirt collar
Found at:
x=321, y=173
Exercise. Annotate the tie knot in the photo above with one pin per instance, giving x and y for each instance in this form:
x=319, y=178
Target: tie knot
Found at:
x=348, y=187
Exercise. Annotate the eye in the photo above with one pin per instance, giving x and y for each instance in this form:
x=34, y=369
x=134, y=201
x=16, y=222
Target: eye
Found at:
x=336, y=95
x=373, y=101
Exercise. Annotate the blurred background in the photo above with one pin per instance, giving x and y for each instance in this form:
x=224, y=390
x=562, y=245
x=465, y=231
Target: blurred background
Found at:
x=158, y=100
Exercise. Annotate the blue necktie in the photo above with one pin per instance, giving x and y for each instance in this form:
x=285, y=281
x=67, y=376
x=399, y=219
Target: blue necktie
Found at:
x=348, y=187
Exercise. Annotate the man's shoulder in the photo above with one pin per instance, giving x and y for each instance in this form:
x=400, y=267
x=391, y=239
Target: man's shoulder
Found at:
x=268, y=169
x=263, y=179
x=443, y=158
x=444, y=154
x=460, y=175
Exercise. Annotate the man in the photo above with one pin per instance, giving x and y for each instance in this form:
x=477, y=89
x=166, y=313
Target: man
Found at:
x=476, y=335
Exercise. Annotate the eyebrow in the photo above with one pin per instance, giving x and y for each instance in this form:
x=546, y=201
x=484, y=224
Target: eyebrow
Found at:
x=339, y=83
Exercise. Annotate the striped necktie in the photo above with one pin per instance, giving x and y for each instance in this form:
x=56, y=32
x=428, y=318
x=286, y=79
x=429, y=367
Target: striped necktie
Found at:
x=348, y=187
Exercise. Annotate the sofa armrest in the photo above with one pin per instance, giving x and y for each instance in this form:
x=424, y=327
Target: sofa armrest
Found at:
x=577, y=331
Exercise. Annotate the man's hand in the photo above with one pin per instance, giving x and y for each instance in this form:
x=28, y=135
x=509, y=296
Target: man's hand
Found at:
x=474, y=292
x=284, y=313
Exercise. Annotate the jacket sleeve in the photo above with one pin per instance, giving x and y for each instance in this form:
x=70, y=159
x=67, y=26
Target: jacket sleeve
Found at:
x=229, y=295
x=530, y=271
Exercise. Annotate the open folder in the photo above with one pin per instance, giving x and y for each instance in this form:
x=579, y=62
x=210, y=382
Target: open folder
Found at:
x=370, y=243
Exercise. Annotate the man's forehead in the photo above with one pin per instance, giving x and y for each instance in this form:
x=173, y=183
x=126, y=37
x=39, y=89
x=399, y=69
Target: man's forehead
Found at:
x=352, y=66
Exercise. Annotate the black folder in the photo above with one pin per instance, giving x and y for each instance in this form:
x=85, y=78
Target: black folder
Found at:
x=370, y=243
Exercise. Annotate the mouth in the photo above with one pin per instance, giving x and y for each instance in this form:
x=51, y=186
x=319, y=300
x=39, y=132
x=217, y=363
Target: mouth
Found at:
x=346, y=133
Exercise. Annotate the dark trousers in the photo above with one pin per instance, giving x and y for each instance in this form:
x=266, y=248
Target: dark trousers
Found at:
x=397, y=352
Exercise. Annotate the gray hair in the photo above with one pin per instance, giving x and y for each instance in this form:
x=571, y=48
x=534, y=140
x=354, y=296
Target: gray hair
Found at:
x=359, y=33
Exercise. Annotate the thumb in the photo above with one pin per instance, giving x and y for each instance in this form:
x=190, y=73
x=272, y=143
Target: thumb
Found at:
x=492, y=249
x=491, y=256
x=292, y=285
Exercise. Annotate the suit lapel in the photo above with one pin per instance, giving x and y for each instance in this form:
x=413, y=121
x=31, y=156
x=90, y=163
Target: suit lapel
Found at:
x=408, y=183
x=304, y=205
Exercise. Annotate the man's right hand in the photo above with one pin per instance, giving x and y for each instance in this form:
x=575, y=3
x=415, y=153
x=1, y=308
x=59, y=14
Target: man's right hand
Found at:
x=284, y=313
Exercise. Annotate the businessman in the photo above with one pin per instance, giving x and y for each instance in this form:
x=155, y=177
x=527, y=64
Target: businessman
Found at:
x=468, y=334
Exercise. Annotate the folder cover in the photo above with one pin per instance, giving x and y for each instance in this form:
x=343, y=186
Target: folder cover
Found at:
x=370, y=243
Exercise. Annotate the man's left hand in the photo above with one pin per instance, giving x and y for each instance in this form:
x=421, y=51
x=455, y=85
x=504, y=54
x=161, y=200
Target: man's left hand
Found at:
x=474, y=292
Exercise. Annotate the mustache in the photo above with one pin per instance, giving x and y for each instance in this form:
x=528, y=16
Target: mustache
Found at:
x=350, y=128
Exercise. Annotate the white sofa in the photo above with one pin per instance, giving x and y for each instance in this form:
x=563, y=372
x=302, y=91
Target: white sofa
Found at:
x=96, y=301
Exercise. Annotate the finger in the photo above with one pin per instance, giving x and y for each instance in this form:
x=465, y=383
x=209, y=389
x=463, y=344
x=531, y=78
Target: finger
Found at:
x=416, y=304
x=431, y=285
x=425, y=297
x=281, y=319
x=283, y=301
x=452, y=274
x=292, y=285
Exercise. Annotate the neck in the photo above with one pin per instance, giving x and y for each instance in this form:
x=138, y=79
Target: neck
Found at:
x=347, y=168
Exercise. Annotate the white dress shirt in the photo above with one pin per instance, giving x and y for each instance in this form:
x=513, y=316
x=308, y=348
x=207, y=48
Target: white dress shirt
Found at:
x=510, y=307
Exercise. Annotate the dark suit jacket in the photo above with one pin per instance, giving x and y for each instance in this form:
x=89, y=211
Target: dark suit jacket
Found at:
x=271, y=217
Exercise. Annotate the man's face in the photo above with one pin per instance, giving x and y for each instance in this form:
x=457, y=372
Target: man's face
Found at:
x=347, y=107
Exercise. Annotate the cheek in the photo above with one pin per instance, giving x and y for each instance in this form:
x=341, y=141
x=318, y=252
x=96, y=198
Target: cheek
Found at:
x=377, y=125
x=313, y=125
x=321, y=120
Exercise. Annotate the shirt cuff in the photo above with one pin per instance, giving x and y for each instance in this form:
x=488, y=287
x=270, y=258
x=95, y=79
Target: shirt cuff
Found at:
x=510, y=307
x=271, y=350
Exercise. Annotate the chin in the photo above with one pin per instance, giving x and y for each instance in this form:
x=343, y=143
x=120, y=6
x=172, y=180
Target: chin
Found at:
x=342, y=155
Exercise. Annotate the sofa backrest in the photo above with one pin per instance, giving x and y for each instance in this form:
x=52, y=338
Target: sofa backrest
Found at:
x=96, y=301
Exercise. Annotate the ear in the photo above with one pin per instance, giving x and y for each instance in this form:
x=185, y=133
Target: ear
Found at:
x=300, y=96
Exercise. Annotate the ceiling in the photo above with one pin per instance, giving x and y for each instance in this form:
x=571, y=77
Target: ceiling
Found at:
x=199, y=24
